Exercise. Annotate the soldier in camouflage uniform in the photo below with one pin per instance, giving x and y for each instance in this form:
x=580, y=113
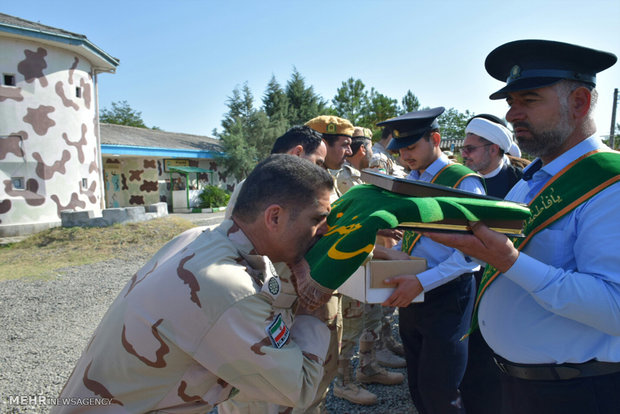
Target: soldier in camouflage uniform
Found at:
x=382, y=159
x=207, y=318
x=336, y=132
x=361, y=322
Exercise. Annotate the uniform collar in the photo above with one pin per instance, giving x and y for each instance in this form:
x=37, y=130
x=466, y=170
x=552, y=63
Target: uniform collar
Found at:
x=589, y=144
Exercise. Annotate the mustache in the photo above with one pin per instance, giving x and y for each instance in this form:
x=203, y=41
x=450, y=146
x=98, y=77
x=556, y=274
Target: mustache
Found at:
x=520, y=124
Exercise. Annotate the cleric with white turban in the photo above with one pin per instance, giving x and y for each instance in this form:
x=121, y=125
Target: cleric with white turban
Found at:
x=495, y=133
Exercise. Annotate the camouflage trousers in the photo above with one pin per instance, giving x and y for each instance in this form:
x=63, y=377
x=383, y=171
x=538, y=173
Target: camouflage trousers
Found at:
x=358, y=317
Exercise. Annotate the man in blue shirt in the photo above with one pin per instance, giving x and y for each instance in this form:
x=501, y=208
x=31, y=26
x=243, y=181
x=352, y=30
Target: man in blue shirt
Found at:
x=550, y=306
x=431, y=330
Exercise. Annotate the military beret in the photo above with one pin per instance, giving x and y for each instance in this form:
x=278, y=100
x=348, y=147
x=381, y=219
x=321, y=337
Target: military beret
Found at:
x=332, y=125
x=362, y=133
x=407, y=129
x=531, y=64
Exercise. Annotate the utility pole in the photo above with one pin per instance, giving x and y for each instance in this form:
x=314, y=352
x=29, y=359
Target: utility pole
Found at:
x=612, y=131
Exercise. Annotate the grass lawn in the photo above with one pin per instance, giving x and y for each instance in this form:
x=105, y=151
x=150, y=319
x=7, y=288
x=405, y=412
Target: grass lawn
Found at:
x=41, y=255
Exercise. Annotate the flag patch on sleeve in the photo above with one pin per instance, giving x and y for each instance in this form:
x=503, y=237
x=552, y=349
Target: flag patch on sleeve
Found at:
x=278, y=332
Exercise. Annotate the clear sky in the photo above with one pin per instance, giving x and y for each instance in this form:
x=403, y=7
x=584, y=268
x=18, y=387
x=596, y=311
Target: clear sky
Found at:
x=181, y=59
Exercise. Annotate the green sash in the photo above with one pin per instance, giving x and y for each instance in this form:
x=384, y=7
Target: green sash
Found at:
x=450, y=176
x=575, y=184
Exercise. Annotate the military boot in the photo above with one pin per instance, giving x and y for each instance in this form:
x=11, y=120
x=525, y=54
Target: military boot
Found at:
x=388, y=359
x=391, y=343
x=385, y=356
x=346, y=388
x=369, y=371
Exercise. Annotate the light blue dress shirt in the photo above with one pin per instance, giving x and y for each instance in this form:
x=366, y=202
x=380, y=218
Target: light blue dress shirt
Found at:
x=560, y=301
x=444, y=263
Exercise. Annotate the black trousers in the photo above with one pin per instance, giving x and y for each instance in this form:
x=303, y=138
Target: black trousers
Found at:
x=592, y=395
x=436, y=357
x=481, y=388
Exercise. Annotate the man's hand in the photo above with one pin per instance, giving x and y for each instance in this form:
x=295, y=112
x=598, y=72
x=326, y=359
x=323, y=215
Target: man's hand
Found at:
x=384, y=253
x=395, y=234
x=408, y=288
x=485, y=244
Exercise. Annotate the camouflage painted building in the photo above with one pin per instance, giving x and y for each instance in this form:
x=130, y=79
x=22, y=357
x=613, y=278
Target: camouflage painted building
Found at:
x=50, y=156
x=144, y=166
x=54, y=154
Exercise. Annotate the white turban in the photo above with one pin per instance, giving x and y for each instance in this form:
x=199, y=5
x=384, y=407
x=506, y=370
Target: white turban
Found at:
x=494, y=132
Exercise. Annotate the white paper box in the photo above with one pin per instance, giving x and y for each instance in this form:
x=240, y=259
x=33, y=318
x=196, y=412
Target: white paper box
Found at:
x=360, y=285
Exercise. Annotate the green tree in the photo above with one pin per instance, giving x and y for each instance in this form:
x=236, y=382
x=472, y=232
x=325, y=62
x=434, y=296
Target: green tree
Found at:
x=452, y=124
x=410, y=102
x=351, y=100
x=122, y=114
x=380, y=107
x=275, y=101
x=244, y=134
x=276, y=107
x=304, y=104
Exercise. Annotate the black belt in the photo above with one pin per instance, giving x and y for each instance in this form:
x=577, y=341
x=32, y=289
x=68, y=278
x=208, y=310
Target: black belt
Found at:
x=555, y=372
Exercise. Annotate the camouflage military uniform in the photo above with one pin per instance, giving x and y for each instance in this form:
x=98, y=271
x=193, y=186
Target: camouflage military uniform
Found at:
x=381, y=159
x=330, y=315
x=348, y=177
x=360, y=323
x=204, y=319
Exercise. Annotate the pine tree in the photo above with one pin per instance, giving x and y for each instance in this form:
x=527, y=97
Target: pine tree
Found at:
x=304, y=104
x=276, y=107
x=244, y=134
x=452, y=124
x=410, y=102
x=351, y=100
x=380, y=108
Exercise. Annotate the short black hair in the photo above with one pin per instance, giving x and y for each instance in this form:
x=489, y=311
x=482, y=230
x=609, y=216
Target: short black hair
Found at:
x=427, y=136
x=357, y=144
x=302, y=135
x=289, y=181
x=331, y=139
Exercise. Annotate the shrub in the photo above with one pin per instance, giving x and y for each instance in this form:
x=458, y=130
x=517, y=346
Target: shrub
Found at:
x=213, y=196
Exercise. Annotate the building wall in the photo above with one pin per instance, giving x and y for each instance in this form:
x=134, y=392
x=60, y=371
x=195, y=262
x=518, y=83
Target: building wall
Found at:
x=131, y=181
x=47, y=135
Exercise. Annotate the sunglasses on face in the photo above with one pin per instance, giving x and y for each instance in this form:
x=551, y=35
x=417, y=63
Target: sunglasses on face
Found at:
x=467, y=149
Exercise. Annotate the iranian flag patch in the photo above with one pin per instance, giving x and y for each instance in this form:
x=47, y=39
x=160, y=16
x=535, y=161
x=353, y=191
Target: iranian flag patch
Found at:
x=278, y=332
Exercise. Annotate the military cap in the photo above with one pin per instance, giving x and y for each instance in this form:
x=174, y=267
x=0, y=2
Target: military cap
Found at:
x=407, y=129
x=361, y=133
x=531, y=64
x=332, y=125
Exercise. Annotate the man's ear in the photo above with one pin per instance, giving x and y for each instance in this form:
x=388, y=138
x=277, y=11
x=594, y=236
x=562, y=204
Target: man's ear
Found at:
x=436, y=138
x=273, y=217
x=580, y=101
x=298, y=151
